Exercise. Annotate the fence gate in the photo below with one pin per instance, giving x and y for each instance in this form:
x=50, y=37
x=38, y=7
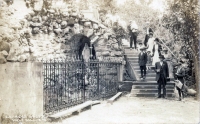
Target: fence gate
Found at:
x=68, y=83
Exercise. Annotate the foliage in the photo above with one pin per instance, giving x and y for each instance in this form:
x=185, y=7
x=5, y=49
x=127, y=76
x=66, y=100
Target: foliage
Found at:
x=182, y=21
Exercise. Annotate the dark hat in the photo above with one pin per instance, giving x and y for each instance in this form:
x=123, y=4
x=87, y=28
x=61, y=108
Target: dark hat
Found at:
x=161, y=57
x=156, y=39
x=140, y=43
x=181, y=61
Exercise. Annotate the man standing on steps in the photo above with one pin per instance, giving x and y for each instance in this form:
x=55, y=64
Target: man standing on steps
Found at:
x=133, y=32
x=162, y=73
x=142, y=60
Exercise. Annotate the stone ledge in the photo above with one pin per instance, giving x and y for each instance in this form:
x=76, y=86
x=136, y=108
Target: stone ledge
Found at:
x=70, y=111
x=114, y=97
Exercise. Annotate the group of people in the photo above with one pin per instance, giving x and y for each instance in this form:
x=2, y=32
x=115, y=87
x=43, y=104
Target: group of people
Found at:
x=152, y=54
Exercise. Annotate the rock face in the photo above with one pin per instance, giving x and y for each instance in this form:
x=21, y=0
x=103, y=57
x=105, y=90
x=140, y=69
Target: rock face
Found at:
x=2, y=59
x=45, y=32
x=4, y=46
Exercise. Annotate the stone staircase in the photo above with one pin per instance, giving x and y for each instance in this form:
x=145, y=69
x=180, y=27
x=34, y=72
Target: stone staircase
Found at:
x=147, y=87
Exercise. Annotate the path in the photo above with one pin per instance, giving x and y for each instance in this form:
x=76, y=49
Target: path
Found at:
x=134, y=110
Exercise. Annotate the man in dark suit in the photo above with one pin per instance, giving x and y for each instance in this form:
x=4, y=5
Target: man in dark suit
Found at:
x=142, y=60
x=162, y=73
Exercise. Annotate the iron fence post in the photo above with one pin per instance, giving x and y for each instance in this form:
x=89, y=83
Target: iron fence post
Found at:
x=98, y=80
x=83, y=81
x=120, y=71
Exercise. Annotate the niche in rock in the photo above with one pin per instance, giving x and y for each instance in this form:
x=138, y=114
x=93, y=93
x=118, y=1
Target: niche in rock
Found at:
x=80, y=47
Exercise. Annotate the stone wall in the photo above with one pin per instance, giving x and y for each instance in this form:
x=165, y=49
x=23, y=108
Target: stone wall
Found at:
x=47, y=32
x=21, y=89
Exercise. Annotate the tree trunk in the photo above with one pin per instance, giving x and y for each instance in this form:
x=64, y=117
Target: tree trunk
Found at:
x=196, y=66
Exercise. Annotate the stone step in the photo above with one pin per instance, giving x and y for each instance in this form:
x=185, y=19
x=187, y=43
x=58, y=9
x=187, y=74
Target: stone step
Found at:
x=135, y=64
x=131, y=55
x=131, y=51
x=138, y=67
x=137, y=91
x=150, y=95
x=135, y=53
x=150, y=86
x=131, y=58
x=150, y=79
x=133, y=61
x=149, y=83
x=125, y=81
x=148, y=71
x=150, y=75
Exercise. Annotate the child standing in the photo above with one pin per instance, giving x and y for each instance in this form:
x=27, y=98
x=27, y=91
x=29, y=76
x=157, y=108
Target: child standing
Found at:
x=148, y=60
x=180, y=74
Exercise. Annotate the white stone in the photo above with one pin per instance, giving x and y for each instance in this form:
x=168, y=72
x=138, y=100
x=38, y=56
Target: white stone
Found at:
x=22, y=58
x=106, y=53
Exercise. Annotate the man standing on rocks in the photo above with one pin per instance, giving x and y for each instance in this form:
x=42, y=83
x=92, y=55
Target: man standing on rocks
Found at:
x=142, y=60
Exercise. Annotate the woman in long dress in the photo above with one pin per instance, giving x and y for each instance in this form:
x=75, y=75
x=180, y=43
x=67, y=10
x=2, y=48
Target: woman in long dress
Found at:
x=150, y=43
x=156, y=51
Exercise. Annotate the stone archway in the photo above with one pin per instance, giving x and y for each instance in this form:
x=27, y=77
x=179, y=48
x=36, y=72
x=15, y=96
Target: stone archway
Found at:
x=80, y=44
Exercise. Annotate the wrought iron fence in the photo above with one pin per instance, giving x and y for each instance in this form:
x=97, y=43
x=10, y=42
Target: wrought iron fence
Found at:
x=70, y=82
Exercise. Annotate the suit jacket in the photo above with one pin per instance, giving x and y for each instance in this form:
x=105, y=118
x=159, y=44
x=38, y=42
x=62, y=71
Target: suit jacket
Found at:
x=165, y=70
x=142, y=59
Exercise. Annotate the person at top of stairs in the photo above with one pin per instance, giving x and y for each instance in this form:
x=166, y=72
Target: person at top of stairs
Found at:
x=142, y=60
x=133, y=32
x=148, y=32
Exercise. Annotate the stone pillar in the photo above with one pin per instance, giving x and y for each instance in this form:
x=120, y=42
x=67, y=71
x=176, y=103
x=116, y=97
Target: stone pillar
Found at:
x=120, y=71
x=170, y=66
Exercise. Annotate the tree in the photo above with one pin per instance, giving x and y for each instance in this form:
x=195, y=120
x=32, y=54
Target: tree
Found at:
x=182, y=20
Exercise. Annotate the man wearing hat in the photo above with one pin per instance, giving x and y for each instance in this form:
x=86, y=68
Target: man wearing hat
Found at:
x=162, y=73
x=142, y=60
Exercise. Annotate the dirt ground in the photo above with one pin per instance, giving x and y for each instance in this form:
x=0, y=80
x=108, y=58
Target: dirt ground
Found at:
x=134, y=110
